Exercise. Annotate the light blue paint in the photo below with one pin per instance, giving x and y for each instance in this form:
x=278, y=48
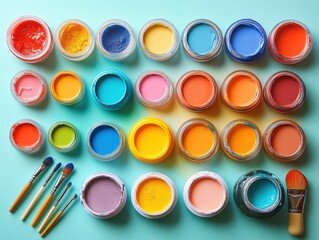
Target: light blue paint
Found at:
x=262, y=193
x=104, y=140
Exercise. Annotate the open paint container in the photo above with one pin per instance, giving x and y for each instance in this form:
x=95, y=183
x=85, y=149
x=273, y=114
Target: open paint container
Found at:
x=27, y=136
x=259, y=194
x=206, y=194
x=105, y=141
x=284, y=140
x=29, y=38
x=284, y=92
x=241, y=140
x=290, y=42
x=103, y=195
x=154, y=195
x=197, y=140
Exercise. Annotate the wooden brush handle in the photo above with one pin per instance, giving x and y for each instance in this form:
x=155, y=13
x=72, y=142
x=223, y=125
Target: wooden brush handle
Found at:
x=21, y=195
x=41, y=210
x=49, y=227
x=295, y=224
x=34, y=200
x=46, y=219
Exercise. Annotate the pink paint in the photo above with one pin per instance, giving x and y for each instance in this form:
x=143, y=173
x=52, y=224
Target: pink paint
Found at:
x=153, y=87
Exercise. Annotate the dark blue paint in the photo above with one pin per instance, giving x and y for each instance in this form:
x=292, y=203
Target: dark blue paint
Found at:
x=115, y=38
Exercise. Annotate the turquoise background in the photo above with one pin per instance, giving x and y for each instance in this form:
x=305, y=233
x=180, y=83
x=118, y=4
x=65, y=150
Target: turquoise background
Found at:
x=16, y=167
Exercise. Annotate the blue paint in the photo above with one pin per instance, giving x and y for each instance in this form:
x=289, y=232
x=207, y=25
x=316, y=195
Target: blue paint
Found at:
x=262, y=193
x=105, y=140
x=115, y=38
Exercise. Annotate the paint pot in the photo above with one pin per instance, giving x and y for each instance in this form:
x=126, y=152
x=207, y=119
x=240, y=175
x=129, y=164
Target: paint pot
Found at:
x=74, y=40
x=206, y=194
x=197, y=140
x=154, y=195
x=241, y=91
x=27, y=136
x=284, y=92
x=202, y=40
x=111, y=89
x=29, y=38
x=241, y=140
x=103, y=195
x=259, y=194
x=67, y=88
x=28, y=87
x=151, y=140
x=196, y=90
x=290, y=42
x=116, y=40
x=154, y=89
x=105, y=141
x=63, y=137
x=158, y=40
x=284, y=140
x=245, y=41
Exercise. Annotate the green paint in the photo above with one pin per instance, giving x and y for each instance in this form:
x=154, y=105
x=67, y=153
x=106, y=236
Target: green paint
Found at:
x=63, y=136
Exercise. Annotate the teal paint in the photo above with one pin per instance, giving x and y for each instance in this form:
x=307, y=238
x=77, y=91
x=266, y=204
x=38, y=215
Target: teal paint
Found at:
x=262, y=194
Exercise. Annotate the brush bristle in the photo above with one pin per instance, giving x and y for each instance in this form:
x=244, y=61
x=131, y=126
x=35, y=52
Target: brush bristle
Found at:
x=296, y=180
x=57, y=167
x=48, y=161
x=75, y=196
x=69, y=185
x=68, y=168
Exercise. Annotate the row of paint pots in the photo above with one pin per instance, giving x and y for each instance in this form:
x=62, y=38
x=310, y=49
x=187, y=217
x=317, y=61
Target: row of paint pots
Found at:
x=195, y=90
x=151, y=140
x=30, y=39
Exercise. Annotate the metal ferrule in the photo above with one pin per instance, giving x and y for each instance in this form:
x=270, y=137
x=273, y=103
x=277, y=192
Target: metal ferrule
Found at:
x=48, y=179
x=296, y=200
x=58, y=183
x=38, y=172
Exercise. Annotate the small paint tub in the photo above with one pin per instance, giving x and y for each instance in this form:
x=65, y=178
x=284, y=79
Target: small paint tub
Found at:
x=28, y=87
x=259, y=194
x=111, y=89
x=105, y=141
x=241, y=140
x=197, y=140
x=27, y=136
x=206, y=194
x=196, y=90
x=153, y=89
x=116, y=40
x=158, y=40
x=202, y=40
x=151, y=140
x=245, y=41
x=284, y=92
x=284, y=140
x=154, y=195
x=74, y=40
x=67, y=88
x=63, y=137
x=241, y=91
x=290, y=42
x=103, y=195
x=29, y=38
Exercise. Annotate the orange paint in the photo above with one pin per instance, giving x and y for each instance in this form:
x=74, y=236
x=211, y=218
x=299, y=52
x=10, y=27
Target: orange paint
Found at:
x=26, y=135
x=242, y=139
x=285, y=140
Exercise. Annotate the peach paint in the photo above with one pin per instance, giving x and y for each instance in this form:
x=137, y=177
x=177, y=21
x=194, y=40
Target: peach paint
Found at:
x=285, y=140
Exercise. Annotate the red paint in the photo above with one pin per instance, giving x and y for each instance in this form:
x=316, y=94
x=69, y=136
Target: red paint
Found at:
x=285, y=90
x=26, y=135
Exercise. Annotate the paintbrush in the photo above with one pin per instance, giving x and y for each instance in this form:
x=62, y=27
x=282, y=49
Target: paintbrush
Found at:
x=46, y=162
x=67, y=170
x=54, y=207
x=37, y=196
x=297, y=190
x=56, y=218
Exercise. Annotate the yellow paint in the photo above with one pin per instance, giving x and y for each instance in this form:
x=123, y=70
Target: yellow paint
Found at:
x=158, y=39
x=242, y=139
x=154, y=195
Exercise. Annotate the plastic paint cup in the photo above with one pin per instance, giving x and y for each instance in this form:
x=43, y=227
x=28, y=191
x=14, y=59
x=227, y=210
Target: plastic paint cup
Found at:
x=105, y=141
x=103, y=195
x=202, y=40
x=241, y=140
x=158, y=40
x=196, y=90
x=241, y=91
x=151, y=140
x=206, y=194
x=153, y=89
x=245, y=40
x=259, y=194
x=29, y=38
x=116, y=40
x=63, y=137
x=290, y=42
x=154, y=195
x=67, y=88
x=28, y=87
x=74, y=40
x=27, y=136
x=197, y=140
x=284, y=140
x=284, y=92
x=111, y=89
